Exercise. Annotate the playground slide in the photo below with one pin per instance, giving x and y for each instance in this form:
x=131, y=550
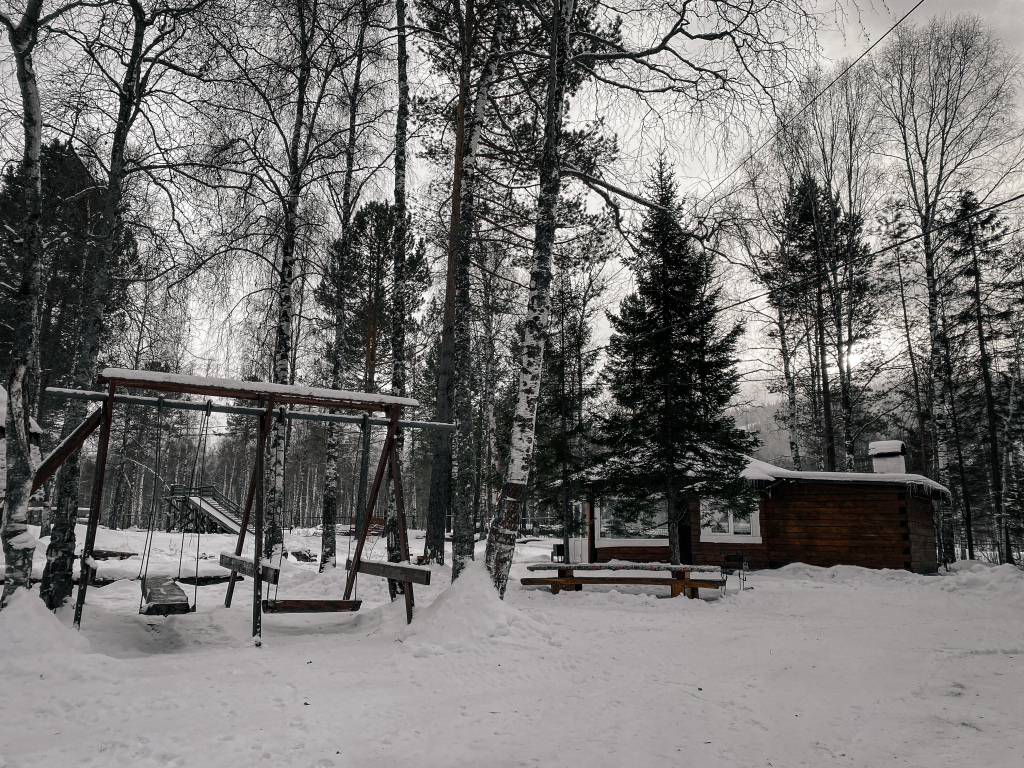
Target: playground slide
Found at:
x=215, y=513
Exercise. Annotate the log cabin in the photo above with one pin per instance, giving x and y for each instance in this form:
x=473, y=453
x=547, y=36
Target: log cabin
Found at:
x=880, y=519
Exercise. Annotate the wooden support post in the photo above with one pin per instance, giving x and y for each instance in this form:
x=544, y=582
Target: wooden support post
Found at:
x=371, y=503
x=403, y=530
x=257, y=530
x=97, y=500
x=257, y=476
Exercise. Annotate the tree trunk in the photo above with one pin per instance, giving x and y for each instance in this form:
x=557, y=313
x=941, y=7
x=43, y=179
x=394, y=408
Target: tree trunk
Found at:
x=462, y=510
x=439, y=501
x=394, y=541
x=791, y=401
x=918, y=402
x=23, y=380
x=56, y=584
x=995, y=465
x=675, y=551
x=332, y=477
x=826, y=394
x=273, y=521
x=946, y=545
x=501, y=539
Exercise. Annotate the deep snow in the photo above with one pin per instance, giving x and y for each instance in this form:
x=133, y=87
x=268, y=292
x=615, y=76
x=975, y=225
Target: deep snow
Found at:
x=813, y=667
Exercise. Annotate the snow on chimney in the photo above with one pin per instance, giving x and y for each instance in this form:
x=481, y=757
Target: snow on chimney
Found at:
x=887, y=457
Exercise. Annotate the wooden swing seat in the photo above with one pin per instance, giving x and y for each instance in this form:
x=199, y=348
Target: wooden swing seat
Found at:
x=310, y=606
x=163, y=597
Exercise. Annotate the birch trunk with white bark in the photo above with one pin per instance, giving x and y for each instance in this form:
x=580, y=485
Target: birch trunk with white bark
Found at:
x=501, y=539
x=18, y=545
x=332, y=487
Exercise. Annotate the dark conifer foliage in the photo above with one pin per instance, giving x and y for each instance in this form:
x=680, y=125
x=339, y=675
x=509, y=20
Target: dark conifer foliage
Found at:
x=71, y=202
x=672, y=373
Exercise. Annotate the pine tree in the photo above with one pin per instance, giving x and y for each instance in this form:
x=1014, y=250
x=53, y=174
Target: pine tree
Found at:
x=671, y=372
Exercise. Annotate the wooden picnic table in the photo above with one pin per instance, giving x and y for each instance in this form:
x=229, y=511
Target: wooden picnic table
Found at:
x=679, y=580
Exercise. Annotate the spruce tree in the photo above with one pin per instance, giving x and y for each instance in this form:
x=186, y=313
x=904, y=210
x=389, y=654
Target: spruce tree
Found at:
x=672, y=373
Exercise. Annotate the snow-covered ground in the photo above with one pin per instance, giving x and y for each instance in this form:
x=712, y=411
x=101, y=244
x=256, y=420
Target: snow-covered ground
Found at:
x=812, y=667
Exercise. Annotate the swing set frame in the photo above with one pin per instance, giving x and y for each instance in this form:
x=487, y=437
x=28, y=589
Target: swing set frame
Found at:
x=271, y=400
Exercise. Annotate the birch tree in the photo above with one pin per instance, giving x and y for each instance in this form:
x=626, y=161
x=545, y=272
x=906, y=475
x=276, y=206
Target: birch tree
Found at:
x=23, y=376
x=127, y=67
x=676, y=59
x=280, y=123
x=947, y=90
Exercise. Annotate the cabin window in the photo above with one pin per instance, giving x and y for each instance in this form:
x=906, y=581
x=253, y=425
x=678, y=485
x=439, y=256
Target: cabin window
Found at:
x=720, y=521
x=722, y=524
x=616, y=520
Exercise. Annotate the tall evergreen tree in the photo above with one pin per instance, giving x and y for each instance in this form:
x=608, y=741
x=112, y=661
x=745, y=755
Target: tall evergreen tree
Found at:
x=672, y=373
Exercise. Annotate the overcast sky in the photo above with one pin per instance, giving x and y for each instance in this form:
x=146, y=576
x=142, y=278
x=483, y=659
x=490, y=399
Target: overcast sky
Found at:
x=1005, y=16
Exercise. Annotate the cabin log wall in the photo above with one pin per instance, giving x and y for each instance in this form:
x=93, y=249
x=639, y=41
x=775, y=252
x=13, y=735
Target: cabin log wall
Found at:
x=823, y=524
x=827, y=524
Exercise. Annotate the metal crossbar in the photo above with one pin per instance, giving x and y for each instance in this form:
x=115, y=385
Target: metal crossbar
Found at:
x=241, y=410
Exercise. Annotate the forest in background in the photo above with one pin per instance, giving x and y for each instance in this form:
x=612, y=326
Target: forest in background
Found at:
x=448, y=200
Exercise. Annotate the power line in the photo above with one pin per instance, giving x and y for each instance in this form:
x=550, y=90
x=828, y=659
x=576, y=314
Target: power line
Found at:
x=811, y=103
x=824, y=273
x=803, y=109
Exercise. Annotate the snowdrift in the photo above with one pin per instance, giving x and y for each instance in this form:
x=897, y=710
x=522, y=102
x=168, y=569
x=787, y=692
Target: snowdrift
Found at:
x=33, y=639
x=467, y=616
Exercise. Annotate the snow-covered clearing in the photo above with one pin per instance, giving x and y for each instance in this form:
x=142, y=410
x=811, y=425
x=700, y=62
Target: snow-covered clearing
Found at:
x=812, y=667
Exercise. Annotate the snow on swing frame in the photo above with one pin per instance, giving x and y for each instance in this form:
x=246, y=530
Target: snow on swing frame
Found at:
x=270, y=397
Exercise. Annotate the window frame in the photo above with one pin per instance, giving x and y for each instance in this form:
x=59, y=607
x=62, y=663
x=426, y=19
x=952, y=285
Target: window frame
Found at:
x=707, y=536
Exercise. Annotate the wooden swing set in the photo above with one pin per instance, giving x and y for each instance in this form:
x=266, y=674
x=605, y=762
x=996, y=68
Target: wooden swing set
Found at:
x=272, y=400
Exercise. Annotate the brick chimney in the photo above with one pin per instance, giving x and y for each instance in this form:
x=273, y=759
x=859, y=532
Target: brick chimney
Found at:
x=887, y=457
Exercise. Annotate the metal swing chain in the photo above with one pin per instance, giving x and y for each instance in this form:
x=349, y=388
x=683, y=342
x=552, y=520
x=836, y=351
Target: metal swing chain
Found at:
x=284, y=478
x=157, y=469
x=203, y=434
x=202, y=475
x=191, y=486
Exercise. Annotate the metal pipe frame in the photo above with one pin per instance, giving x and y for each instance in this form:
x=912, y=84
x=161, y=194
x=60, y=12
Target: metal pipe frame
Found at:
x=242, y=410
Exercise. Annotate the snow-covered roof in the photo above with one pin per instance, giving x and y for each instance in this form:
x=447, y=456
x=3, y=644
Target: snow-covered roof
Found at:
x=283, y=393
x=33, y=425
x=887, y=448
x=761, y=471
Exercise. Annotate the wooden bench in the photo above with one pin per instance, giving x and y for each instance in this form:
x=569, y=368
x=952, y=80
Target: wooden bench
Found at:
x=680, y=580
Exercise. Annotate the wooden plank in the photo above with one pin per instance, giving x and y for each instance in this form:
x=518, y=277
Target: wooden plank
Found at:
x=110, y=554
x=645, y=580
x=656, y=567
x=417, y=574
x=65, y=448
x=163, y=597
x=310, y=606
x=244, y=566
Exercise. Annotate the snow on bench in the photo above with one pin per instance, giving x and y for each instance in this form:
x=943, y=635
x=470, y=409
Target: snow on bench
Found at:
x=624, y=567
x=678, y=582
